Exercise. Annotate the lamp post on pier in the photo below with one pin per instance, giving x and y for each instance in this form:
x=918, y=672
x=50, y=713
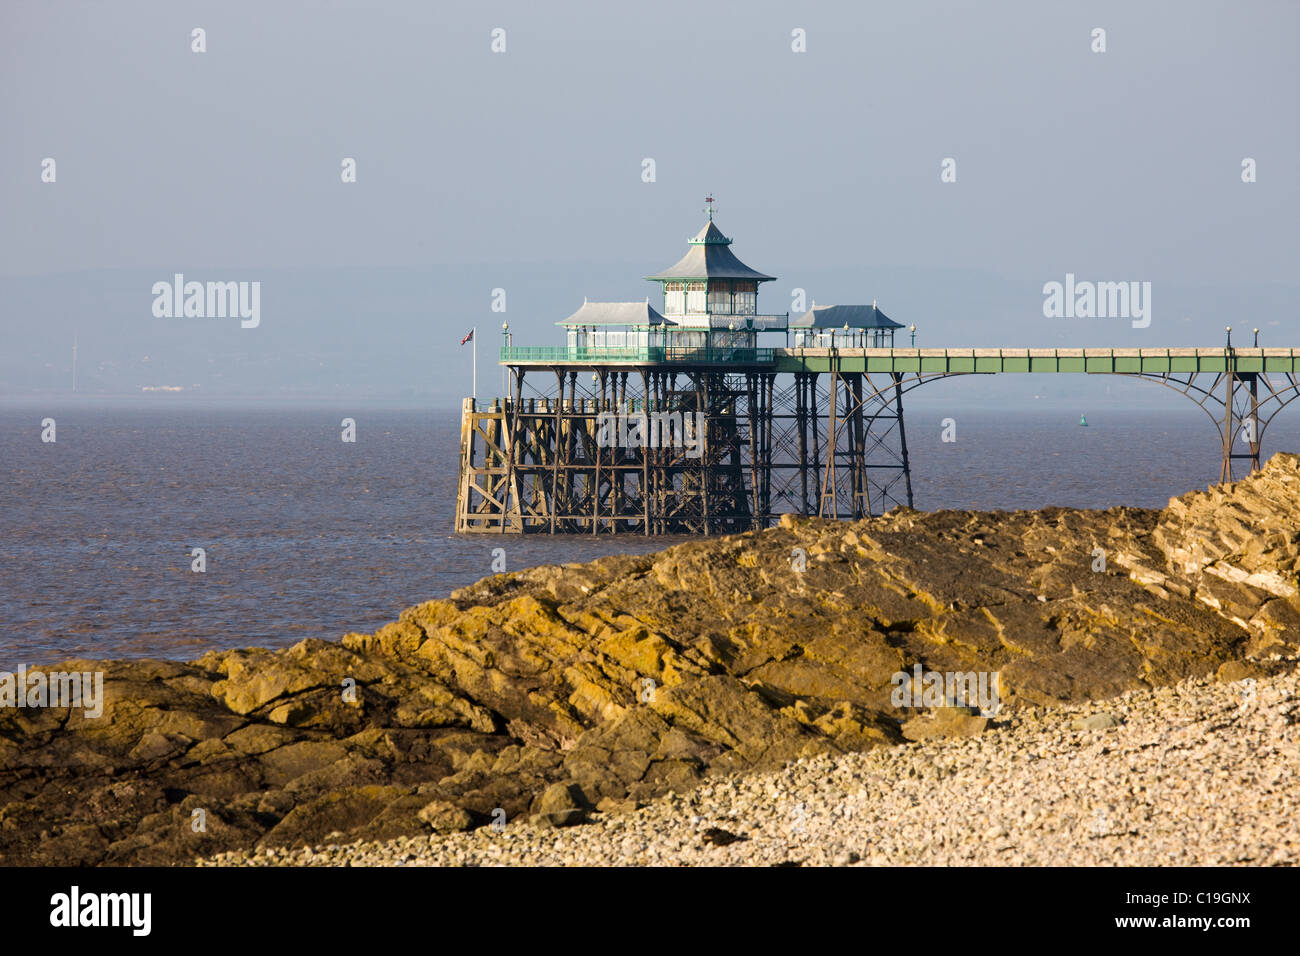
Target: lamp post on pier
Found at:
x=505, y=340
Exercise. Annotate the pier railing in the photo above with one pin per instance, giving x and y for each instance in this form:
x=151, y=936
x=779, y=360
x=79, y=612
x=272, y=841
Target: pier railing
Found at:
x=746, y=323
x=649, y=355
x=946, y=361
x=1139, y=361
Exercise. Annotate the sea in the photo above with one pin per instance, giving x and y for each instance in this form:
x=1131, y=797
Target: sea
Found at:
x=305, y=535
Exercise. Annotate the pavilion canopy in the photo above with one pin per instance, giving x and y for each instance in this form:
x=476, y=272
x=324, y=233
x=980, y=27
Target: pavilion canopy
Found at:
x=616, y=313
x=837, y=316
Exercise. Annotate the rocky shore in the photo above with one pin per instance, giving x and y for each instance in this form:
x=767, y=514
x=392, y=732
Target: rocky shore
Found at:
x=547, y=696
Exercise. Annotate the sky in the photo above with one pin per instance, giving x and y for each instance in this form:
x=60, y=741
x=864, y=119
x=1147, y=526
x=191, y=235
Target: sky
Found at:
x=505, y=146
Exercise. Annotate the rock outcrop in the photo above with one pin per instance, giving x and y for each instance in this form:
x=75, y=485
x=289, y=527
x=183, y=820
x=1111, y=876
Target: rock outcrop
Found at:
x=551, y=692
x=1236, y=547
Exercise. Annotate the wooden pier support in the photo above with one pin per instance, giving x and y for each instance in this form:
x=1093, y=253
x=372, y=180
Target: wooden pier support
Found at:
x=718, y=451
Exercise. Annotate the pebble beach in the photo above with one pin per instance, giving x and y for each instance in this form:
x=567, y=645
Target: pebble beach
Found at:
x=1204, y=772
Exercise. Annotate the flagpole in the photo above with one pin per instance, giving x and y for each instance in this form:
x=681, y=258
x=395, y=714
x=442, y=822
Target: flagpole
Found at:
x=474, y=339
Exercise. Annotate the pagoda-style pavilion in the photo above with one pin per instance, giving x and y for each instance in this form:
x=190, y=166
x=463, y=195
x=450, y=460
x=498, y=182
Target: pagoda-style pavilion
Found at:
x=710, y=304
x=712, y=296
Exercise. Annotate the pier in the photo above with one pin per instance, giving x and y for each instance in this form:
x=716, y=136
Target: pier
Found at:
x=813, y=427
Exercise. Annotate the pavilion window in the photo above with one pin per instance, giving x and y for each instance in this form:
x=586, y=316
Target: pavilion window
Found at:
x=720, y=298
x=674, y=298
x=695, y=297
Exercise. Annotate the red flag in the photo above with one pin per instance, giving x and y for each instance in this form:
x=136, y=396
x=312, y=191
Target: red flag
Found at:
x=468, y=337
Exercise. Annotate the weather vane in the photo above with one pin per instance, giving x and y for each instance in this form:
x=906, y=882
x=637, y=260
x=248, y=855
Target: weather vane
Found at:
x=709, y=208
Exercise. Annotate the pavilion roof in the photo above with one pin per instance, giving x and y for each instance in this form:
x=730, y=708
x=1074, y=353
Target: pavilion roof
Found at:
x=837, y=316
x=616, y=313
x=710, y=258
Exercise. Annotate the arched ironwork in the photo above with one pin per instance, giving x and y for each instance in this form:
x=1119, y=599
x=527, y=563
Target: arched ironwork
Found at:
x=1232, y=400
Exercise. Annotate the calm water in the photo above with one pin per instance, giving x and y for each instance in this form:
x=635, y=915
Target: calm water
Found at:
x=308, y=536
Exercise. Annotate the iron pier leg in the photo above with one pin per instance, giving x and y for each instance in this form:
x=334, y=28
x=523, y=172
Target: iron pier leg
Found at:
x=861, y=493
x=902, y=434
x=1255, y=435
x=1229, y=415
x=828, y=486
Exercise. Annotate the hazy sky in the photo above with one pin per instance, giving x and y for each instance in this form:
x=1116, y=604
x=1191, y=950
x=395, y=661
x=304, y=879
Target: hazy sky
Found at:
x=523, y=170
